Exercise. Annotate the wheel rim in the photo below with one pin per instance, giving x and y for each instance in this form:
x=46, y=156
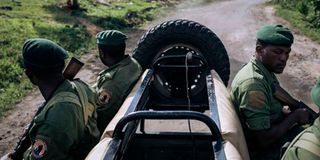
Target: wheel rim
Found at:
x=172, y=82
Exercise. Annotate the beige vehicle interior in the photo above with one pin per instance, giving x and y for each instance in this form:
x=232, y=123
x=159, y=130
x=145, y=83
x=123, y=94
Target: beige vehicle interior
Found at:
x=184, y=80
x=234, y=142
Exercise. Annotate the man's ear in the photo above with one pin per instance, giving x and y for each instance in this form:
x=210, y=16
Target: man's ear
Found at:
x=101, y=53
x=31, y=76
x=259, y=48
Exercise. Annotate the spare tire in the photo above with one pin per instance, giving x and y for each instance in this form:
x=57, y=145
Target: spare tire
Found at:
x=183, y=33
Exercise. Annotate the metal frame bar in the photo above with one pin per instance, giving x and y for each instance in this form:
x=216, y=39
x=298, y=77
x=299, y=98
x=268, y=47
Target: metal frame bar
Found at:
x=214, y=114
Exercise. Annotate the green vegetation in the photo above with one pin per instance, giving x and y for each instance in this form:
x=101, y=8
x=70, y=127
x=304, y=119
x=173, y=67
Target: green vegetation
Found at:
x=302, y=14
x=52, y=19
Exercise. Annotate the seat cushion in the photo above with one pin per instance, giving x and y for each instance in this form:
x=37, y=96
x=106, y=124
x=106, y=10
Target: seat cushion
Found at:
x=231, y=128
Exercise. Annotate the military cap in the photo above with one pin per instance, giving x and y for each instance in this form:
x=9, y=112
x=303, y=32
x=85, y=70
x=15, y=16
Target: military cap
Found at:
x=275, y=35
x=111, y=37
x=315, y=93
x=43, y=55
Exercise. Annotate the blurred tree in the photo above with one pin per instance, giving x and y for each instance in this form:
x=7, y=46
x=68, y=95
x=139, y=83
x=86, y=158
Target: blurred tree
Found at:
x=73, y=4
x=303, y=8
x=317, y=7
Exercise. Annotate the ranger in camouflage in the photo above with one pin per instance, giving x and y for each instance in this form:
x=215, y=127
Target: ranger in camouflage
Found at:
x=307, y=144
x=66, y=126
x=114, y=83
x=265, y=125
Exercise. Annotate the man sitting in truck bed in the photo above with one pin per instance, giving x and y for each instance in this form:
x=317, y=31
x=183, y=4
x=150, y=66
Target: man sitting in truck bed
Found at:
x=114, y=83
x=265, y=125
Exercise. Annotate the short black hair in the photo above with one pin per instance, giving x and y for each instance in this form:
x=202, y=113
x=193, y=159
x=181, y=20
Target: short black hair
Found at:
x=262, y=43
x=114, y=51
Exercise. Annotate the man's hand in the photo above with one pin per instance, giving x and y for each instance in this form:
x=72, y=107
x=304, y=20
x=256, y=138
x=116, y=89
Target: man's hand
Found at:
x=302, y=116
x=286, y=110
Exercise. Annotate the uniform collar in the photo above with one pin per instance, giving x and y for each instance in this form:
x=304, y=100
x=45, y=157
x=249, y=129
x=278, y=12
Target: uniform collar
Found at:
x=269, y=76
x=123, y=62
x=62, y=87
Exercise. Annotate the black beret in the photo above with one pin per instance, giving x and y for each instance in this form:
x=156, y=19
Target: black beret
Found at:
x=43, y=55
x=275, y=35
x=111, y=37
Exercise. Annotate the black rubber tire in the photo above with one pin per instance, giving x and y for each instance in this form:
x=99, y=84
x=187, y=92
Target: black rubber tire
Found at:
x=184, y=32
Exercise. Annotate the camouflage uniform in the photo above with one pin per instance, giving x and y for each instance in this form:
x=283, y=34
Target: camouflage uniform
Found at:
x=65, y=127
x=306, y=146
x=252, y=96
x=115, y=82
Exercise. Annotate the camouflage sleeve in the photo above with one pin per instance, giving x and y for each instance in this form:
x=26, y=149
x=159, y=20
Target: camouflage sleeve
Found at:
x=306, y=145
x=56, y=136
x=113, y=91
x=295, y=153
x=253, y=105
x=110, y=99
x=108, y=94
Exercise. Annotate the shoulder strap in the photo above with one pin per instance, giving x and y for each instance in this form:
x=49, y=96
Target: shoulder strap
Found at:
x=309, y=142
x=87, y=108
x=58, y=98
x=63, y=97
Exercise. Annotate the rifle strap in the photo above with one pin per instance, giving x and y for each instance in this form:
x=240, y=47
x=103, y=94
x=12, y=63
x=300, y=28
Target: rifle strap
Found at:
x=309, y=142
x=87, y=108
x=62, y=97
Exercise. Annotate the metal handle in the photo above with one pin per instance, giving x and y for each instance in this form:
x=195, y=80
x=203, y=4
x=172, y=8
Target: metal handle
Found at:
x=168, y=115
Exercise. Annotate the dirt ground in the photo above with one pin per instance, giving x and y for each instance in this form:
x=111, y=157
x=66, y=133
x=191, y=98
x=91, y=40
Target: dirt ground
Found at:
x=235, y=23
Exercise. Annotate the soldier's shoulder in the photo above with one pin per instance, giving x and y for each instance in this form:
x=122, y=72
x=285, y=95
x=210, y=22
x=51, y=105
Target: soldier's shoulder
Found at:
x=247, y=80
x=63, y=112
x=248, y=71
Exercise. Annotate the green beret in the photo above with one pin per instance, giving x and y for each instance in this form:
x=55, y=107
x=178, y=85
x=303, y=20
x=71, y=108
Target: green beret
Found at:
x=43, y=55
x=111, y=37
x=275, y=35
x=315, y=94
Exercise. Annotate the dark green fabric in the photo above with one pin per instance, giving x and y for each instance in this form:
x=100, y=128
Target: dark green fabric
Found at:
x=62, y=127
x=254, y=77
x=275, y=34
x=297, y=153
x=43, y=54
x=111, y=37
x=315, y=93
x=117, y=81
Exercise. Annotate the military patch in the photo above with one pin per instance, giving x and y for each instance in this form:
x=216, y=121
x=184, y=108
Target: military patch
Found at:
x=104, y=97
x=257, y=99
x=39, y=148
